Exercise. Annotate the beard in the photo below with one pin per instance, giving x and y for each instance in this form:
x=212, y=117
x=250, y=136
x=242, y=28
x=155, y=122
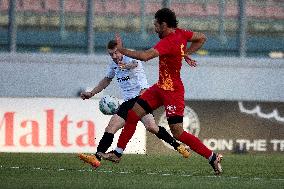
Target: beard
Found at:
x=160, y=34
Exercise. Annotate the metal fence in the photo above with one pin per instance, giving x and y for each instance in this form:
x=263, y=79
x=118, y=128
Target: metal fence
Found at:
x=82, y=26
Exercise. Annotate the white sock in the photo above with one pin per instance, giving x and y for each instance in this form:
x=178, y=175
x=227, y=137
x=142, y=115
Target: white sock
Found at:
x=119, y=150
x=210, y=158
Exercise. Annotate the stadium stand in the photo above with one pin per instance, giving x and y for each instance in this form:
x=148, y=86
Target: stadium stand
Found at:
x=270, y=9
x=75, y=6
x=4, y=4
x=264, y=17
x=185, y=9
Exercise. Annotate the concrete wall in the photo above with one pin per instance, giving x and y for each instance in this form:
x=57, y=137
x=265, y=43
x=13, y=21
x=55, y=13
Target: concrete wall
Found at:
x=54, y=75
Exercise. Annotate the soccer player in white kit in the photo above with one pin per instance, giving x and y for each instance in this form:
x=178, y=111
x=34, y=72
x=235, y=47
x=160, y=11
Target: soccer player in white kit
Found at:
x=132, y=81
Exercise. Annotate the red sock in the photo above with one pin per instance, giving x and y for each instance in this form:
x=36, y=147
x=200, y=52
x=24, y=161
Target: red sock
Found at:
x=195, y=144
x=128, y=130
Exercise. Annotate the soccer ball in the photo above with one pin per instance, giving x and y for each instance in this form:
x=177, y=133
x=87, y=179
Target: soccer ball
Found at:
x=109, y=105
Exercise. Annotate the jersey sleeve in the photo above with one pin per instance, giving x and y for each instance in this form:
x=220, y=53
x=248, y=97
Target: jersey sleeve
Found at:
x=188, y=34
x=110, y=72
x=163, y=47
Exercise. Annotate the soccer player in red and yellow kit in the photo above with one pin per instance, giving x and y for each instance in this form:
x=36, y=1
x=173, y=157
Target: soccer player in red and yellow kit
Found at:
x=169, y=90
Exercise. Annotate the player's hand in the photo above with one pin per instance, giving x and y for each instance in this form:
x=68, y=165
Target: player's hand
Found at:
x=86, y=95
x=118, y=41
x=190, y=61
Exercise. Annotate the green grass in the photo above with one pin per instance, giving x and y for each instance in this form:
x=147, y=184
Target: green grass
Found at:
x=19, y=170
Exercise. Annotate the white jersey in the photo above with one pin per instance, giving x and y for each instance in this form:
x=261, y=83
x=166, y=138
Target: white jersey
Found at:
x=131, y=81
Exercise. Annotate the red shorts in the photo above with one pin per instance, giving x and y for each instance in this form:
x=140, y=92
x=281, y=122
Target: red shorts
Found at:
x=173, y=101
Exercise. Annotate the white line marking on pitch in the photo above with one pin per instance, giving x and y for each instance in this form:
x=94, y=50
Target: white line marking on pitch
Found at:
x=186, y=175
x=149, y=173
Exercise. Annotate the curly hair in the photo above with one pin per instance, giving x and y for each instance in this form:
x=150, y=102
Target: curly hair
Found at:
x=168, y=16
x=111, y=44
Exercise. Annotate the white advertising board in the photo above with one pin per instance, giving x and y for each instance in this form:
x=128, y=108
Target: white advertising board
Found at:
x=57, y=125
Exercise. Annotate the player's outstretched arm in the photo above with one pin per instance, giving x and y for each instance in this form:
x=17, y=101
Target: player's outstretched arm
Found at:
x=101, y=86
x=139, y=55
x=197, y=40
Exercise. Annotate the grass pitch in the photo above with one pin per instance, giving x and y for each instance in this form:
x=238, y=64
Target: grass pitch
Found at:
x=20, y=170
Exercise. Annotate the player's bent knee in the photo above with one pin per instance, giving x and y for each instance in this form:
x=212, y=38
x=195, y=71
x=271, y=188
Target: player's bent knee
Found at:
x=150, y=124
x=176, y=134
x=144, y=105
x=115, y=124
x=175, y=119
x=176, y=125
x=153, y=128
x=112, y=129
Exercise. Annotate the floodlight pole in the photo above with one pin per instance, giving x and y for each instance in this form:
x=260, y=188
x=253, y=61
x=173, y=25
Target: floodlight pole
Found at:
x=222, y=34
x=242, y=28
x=12, y=27
x=142, y=19
x=90, y=29
x=166, y=3
x=62, y=18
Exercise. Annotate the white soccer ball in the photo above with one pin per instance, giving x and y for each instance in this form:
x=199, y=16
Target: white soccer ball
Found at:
x=109, y=105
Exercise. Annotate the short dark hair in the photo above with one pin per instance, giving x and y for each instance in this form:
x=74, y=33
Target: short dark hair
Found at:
x=111, y=44
x=168, y=16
